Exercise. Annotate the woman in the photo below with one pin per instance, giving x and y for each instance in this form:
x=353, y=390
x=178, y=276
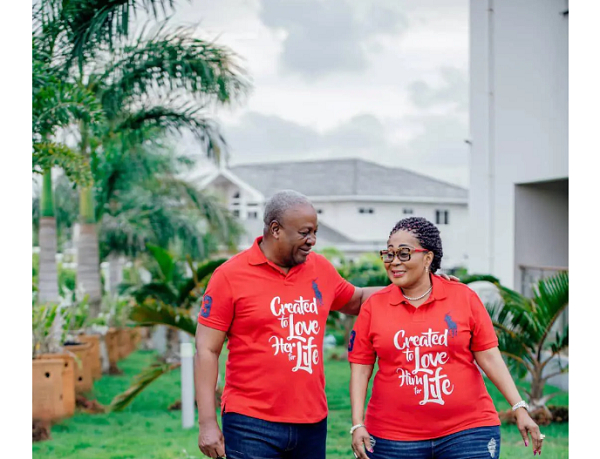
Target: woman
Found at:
x=429, y=399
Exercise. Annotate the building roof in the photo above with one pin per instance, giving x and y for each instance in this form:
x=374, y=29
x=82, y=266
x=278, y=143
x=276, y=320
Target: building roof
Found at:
x=344, y=177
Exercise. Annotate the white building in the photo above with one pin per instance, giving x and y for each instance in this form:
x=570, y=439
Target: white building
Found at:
x=358, y=202
x=518, y=196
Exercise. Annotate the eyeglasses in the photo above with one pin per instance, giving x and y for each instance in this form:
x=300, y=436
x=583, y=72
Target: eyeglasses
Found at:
x=403, y=254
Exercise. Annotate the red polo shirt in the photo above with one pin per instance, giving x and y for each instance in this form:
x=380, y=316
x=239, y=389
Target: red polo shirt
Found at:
x=427, y=384
x=275, y=323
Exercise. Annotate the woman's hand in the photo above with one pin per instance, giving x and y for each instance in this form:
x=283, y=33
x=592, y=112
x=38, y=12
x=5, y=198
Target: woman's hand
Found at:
x=449, y=277
x=361, y=441
x=528, y=427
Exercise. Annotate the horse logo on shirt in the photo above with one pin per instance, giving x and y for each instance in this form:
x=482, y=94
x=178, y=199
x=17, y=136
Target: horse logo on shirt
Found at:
x=206, y=305
x=451, y=325
x=351, y=341
x=318, y=295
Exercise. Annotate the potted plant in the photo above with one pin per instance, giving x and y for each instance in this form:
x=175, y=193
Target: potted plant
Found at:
x=81, y=331
x=53, y=370
x=116, y=338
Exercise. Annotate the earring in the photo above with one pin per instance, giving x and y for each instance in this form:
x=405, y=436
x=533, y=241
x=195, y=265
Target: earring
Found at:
x=426, y=268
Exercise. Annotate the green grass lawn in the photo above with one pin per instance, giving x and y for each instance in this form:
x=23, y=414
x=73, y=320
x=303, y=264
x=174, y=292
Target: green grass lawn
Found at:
x=147, y=430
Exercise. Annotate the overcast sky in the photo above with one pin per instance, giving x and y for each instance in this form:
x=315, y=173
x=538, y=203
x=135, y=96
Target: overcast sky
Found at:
x=383, y=80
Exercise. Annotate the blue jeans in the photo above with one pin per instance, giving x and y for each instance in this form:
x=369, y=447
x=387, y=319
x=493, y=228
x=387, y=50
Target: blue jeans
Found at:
x=477, y=443
x=251, y=438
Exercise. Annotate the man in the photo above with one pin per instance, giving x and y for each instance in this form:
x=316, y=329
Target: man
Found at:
x=271, y=301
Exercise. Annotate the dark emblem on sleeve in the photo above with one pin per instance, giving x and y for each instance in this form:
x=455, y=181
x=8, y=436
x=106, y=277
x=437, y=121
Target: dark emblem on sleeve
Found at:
x=351, y=341
x=206, y=305
x=318, y=295
x=451, y=325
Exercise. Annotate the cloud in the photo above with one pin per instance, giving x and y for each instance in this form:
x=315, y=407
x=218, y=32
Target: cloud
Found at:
x=453, y=90
x=259, y=136
x=442, y=141
x=359, y=133
x=327, y=36
x=434, y=147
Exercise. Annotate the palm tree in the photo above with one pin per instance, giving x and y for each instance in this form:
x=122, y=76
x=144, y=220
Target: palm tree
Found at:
x=142, y=200
x=131, y=79
x=55, y=104
x=526, y=330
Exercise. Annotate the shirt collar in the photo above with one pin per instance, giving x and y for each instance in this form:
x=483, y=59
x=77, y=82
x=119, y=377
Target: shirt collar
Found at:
x=438, y=292
x=256, y=256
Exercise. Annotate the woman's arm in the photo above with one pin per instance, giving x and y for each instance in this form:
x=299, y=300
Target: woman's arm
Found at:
x=493, y=365
x=359, y=380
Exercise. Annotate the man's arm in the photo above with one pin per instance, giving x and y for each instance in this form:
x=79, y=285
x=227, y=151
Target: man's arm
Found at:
x=361, y=294
x=209, y=343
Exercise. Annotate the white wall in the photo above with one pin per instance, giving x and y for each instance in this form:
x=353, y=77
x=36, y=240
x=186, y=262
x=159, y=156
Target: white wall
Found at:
x=519, y=117
x=542, y=225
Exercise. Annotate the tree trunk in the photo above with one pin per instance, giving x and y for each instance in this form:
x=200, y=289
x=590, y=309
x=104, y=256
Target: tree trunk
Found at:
x=48, y=273
x=88, y=266
x=115, y=270
x=537, y=400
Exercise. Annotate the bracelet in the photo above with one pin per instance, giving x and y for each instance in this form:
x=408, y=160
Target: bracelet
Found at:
x=356, y=427
x=521, y=404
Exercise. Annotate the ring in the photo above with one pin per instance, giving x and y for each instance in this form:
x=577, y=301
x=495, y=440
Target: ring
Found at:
x=542, y=436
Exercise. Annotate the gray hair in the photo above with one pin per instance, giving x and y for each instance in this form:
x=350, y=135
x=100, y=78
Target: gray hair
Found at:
x=280, y=202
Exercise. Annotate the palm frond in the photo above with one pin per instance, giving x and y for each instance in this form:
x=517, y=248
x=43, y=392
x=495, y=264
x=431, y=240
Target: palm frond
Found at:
x=147, y=122
x=551, y=297
x=164, y=259
x=93, y=23
x=50, y=154
x=125, y=232
x=480, y=278
x=168, y=61
x=219, y=219
x=140, y=382
x=158, y=291
x=152, y=312
x=189, y=291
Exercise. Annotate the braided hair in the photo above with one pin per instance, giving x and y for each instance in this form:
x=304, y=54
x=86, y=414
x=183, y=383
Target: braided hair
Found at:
x=427, y=234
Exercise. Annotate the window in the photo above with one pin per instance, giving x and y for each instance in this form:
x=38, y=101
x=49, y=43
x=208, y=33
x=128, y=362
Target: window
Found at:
x=442, y=217
x=366, y=210
x=407, y=211
x=236, y=195
x=252, y=215
x=236, y=212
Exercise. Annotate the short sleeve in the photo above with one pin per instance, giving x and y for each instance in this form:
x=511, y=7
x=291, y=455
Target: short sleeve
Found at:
x=360, y=346
x=217, y=303
x=343, y=290
x=483, y=335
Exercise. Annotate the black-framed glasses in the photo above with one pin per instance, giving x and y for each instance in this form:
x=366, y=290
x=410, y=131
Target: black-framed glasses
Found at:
x=403, y=254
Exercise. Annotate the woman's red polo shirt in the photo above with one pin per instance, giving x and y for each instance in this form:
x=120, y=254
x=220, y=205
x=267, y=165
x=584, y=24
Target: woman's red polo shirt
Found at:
x=427, y=384
x=275, y=324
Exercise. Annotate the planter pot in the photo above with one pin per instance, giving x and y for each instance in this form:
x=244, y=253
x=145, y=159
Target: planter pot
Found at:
x=83, y=369
x=95, y=361
x=112, y=349
x=68, y=380
x=47, y=389
x=123, y=339
x=136, y=338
